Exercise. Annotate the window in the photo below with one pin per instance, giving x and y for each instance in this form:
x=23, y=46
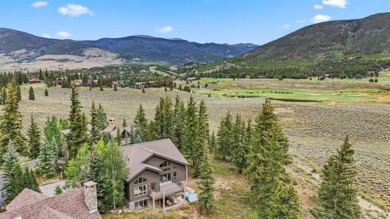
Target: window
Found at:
x=141, y=204
x=140, y=190
x=166, y=163
x=140, y=180
x=174, y=175
x=166, y=177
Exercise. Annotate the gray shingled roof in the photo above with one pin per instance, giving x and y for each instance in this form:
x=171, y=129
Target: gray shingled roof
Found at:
x=136, y=154
x=70, y=204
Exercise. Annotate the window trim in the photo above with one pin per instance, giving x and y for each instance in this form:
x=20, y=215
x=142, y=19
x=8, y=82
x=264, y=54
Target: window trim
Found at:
x=140, y=190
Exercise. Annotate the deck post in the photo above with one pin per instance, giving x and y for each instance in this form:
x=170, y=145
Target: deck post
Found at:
x=163, y=199
x=153, y=200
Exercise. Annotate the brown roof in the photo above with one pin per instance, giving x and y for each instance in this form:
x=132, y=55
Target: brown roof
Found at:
x=137, y=154
x=26, y=197
x=70, y=204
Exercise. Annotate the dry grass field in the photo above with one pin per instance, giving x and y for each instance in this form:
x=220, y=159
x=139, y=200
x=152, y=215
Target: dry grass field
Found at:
x=315, y=130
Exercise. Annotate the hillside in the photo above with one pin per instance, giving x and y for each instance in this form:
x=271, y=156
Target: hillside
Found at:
x=367, y=36
x=22, y=50
x=342, y=49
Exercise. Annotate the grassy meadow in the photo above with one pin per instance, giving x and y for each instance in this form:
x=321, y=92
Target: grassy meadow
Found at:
x=316, y=116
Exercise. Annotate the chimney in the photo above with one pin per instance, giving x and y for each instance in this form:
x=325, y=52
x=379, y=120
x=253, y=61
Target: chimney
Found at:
x=90, y=195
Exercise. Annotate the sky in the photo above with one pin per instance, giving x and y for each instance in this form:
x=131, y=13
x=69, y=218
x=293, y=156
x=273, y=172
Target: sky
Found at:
x=220, y=21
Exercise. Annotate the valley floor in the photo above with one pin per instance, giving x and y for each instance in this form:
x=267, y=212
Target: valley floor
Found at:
x=315, y=130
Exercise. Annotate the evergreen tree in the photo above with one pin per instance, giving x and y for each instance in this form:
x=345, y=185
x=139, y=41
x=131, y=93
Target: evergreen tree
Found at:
x=337, y=193
x=141, y=124
x=78, y=133
x=29, y=180
x=18, y=93
x=31, y=94
x=47, y=158
x=12, y=174
x=164, y=119
x=52, y=130
x=271, y=187
x=75, y=105
x=34, y=139
x=3, y=96
x=58, y=190
x=202, y=138
x=266, y=121
x=225, y=136
x=206, y=197
x=241, y=148
x=95, y=129
x=124, y=123
x=213, y=143
x=46, y=93
x=11, y=123
x=102, y=121
x=179, y=122
x=190, y=128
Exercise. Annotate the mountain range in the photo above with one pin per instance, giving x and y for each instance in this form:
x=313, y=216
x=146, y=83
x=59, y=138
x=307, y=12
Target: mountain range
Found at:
x=359, y=37
x=22, y=49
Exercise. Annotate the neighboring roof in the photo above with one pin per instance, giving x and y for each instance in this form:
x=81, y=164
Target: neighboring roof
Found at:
x=70, y=204
x=26, y=197
x=137, y=154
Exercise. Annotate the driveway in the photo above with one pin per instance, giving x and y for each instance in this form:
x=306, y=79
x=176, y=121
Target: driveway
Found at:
x=49, y=189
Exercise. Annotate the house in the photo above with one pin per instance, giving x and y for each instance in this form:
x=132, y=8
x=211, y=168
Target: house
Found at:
x=77, y=83
x=34, y=81
x=72, y=204
x=158, y=174
x=140, y=85
x=60, y=80
x=115, y=84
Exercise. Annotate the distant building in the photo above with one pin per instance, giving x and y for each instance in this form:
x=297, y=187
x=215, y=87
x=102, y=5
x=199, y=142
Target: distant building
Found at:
x=34, y=81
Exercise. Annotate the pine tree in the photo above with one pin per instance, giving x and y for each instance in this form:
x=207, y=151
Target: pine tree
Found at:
x=337, y=193
x=271, y=187
x=206, y=197
x=3, y=96
x=46, y=93
x=58, y=190
x=29, y=180
x=202, y=138
x=75, y=105
x=47, y=158
x=190, y=128
x=78, y=133
x=52, y=130
x=266, y=121
x=95, y=129
x=164, y=119
x=31, y=94
x=141, y=123
x=225, y=136
x=213, y=143
x=124, y=123
x=18, y=93
x=34, y=139
x=102, y=121
x=179, y=122
x=241, y=148
x=11, y=123
x=270, y=184
x=12, y=174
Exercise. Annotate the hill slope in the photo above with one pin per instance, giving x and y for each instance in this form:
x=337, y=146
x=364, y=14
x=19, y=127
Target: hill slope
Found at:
x=367, y=36
x=19, y=47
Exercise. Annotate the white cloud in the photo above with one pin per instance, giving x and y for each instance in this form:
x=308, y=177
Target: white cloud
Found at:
x=46, y=35
x=39, y=4
x=335, y=3
x=318, y=7
x=63, y=34
x=286, y=26
x=73, y=10
x=165, y=29
x=320, y=18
